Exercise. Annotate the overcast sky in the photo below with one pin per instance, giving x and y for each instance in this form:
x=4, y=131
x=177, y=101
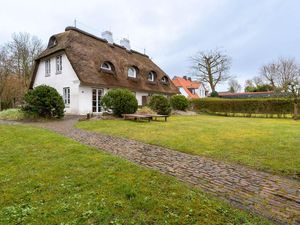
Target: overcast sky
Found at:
x=252, y=32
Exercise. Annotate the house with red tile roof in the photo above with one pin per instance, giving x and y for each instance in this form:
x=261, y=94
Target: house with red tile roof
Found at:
x=189, y=88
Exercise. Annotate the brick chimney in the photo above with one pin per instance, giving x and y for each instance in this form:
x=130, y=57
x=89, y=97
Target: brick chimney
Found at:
x=190, y=79
x=184, y=77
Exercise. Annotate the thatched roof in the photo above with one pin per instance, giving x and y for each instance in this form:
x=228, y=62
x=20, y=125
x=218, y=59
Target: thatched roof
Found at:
x=87, y=52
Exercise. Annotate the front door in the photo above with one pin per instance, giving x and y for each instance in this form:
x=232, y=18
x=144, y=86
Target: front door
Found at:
x=96, y=100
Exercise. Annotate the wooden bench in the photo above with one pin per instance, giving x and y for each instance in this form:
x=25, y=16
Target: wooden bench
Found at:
x=144, y=117
x=137, y=117
x=155, y=116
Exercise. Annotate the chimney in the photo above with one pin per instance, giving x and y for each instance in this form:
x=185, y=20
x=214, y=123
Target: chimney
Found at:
x=190, y=79
x=184, y=77
x=107, y=35
x=125, y=43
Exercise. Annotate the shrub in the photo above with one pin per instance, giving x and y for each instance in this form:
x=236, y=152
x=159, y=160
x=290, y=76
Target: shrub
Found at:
x=214, y=94
x=179, y=102
x=44, y=101
x=16, y=114
x=160, y=105
x=270, y=106
x=120, y=101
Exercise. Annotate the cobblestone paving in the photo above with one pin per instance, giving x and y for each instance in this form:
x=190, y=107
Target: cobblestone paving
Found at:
x=274, y=197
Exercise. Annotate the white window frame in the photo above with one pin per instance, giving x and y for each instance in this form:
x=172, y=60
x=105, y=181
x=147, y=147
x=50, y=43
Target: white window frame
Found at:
x=47, y=67
x=67, y=96
x=58, y=64
x=106, y=66
x=152, y=78
x=131, y=72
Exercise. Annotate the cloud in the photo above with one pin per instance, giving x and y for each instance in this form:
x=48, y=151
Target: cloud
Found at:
x=252, y=31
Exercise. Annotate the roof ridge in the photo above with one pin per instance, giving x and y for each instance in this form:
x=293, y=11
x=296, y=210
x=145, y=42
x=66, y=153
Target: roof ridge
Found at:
x=103, y=40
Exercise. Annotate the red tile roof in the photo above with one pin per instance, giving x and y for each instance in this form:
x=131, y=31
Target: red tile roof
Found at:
x=186, y=84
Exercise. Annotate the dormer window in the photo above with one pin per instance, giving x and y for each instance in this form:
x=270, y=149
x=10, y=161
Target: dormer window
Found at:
x=165, y=79
x=106, y=66
x=52, y=42
x=151, y=76
x=132, y=72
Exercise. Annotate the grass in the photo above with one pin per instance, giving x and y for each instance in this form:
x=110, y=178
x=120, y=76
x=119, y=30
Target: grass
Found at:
x=48, y=179
x=265, y=144
x=15, y=114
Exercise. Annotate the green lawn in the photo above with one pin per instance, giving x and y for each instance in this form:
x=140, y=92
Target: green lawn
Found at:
x=48, y=179
x=266, y=144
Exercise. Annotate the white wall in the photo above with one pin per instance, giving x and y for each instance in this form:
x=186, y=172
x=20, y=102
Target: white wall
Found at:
x=139, y=95
x=67, y=78
x=201, y=91
x=183, y=92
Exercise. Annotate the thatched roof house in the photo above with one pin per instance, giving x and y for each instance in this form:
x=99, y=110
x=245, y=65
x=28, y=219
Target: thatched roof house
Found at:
x=77, y=63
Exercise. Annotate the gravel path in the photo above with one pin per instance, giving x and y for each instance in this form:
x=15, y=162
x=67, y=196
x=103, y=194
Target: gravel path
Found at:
x=274, y=197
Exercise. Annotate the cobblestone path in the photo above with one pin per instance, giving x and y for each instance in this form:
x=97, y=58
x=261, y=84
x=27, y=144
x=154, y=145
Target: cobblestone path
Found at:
x=274, y=197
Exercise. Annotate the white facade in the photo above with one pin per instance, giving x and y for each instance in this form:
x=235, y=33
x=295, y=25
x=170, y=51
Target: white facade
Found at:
x=183, y=92
x=81, y=96
x=199, y=91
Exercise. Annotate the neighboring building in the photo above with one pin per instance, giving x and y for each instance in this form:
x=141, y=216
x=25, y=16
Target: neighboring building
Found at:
x=189, y=88
x=263, y=94
x=83, y=67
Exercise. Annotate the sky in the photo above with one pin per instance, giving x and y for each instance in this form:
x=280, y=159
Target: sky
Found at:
x=251, y=32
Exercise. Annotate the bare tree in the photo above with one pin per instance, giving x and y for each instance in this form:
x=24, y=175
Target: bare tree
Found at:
x=269, y=73
x=294, y=89
x=280, y=73
x=16, y=61
x=234, y=86
x=288, y=72
x=3, y=73
x=211, y=67
x=22, y=51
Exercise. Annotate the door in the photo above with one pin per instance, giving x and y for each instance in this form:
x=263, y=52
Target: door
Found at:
x=144, y=100
x=96, y=100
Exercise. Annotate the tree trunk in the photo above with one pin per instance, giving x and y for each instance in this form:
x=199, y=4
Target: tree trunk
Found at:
x=296, y=113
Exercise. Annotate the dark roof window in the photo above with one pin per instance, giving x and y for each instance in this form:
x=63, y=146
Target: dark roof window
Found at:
x=52, y=42
x=151, y=76
x=165, y=80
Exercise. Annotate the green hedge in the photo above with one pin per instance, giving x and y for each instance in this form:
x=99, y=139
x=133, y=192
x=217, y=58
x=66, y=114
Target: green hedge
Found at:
x=247, y=107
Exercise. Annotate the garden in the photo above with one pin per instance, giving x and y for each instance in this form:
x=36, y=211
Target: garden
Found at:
x=49, y=179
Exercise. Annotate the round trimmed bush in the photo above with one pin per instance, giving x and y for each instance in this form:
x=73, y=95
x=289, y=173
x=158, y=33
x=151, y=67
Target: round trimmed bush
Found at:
x=179, y=102
x=120, y=101
x=44, y=101
x=160, y=105
x=214, y=94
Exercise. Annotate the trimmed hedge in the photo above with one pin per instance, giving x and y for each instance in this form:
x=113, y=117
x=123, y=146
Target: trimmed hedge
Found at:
x=121, y=101
x=44, y=101
x=270, y=106
x=160, y=104
x=179, y=102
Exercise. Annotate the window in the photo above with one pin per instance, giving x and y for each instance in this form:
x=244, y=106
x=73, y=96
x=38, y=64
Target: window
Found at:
x=132, y=72
x=106, y=66
x=52, y=42
x=151, y=76
x=96, y=100
x=58, y=64
x=66, y=96
x=47, y=68
x=164, y=79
